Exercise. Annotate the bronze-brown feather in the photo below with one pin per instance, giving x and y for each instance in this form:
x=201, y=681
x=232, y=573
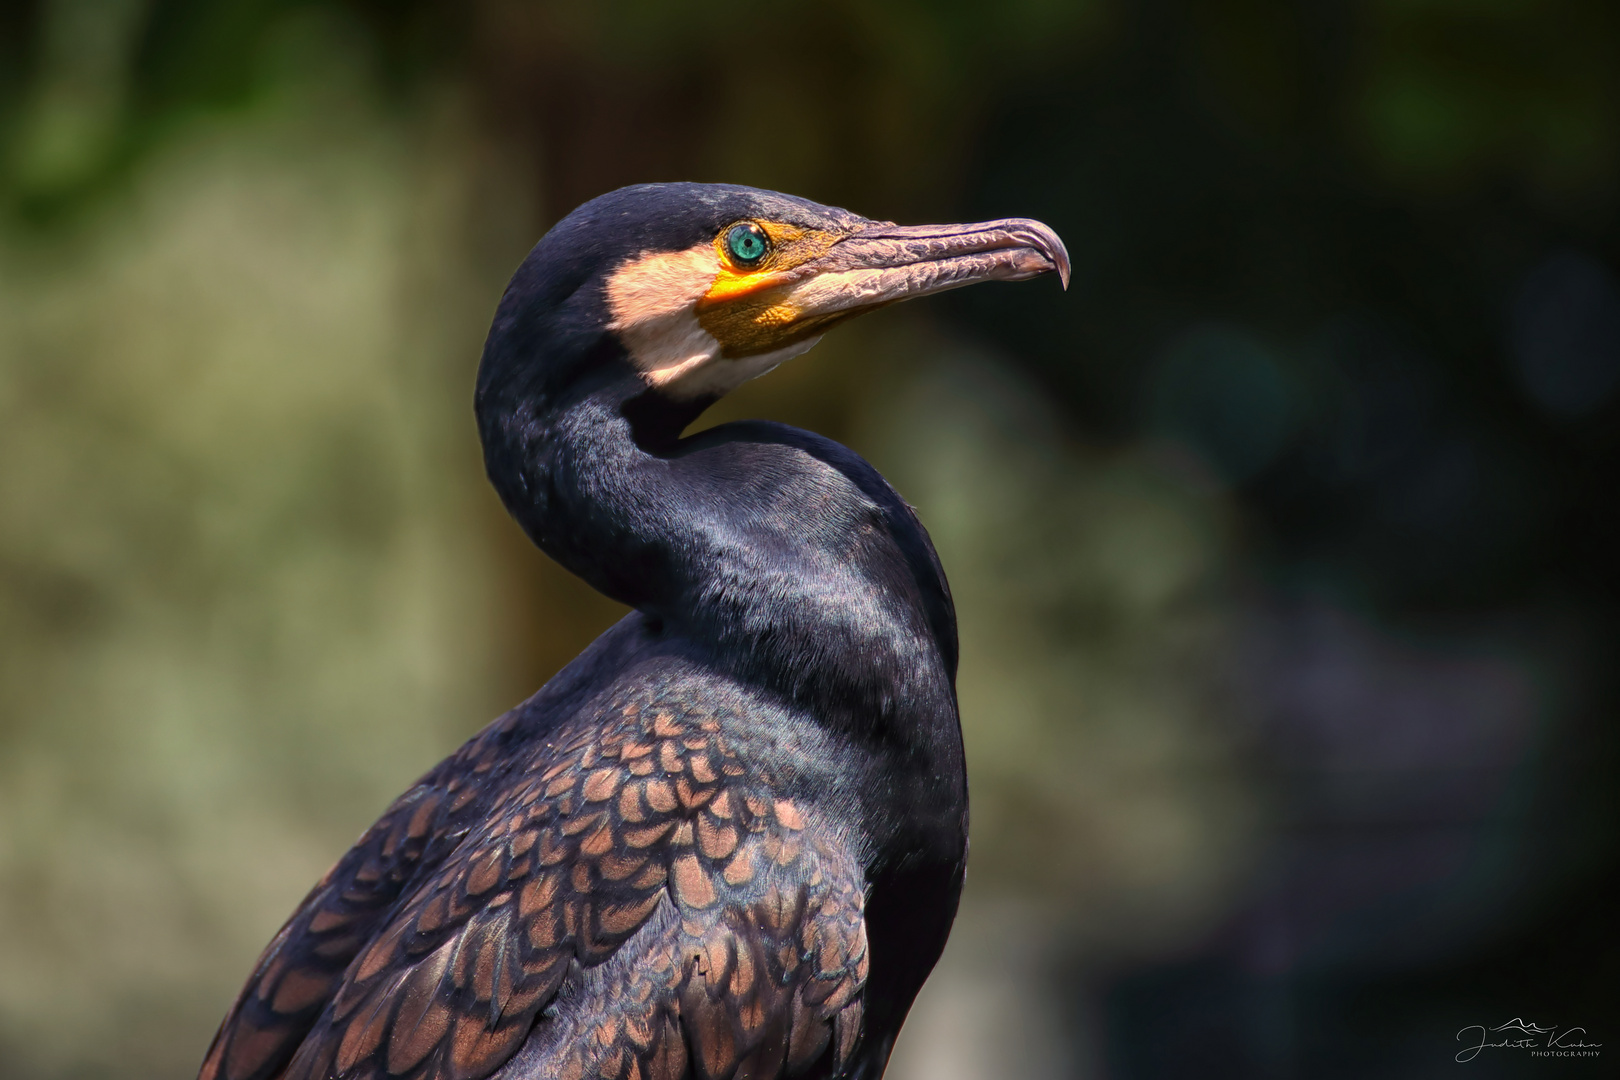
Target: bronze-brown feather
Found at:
x=696, y=918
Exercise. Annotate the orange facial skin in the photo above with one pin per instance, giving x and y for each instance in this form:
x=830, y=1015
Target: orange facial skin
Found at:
x=747, y=308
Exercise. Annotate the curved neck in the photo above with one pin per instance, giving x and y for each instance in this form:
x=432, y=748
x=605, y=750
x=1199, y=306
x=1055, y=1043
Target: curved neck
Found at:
x=783, y=555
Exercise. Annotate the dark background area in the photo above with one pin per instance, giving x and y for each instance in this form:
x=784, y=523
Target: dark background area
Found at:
x=1286, y=537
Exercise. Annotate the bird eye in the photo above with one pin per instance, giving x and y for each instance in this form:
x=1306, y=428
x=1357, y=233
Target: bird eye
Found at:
x=747, y=243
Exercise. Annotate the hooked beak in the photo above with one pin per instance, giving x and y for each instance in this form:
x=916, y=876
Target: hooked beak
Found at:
x=885, y=262
x=878, y=264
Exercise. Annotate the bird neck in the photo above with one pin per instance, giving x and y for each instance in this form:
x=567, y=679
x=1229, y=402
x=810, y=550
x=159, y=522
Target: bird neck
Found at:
x=781, y=556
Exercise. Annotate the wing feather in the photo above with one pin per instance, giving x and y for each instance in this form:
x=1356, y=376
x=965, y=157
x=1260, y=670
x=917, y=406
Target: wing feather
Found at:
x=703, y=920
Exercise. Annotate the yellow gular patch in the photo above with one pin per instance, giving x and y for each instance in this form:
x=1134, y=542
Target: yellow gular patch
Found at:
x=788, y=244
x=749, y=309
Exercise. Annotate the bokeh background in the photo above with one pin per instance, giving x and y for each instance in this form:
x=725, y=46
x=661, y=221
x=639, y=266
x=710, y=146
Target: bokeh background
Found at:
x=1284, y=543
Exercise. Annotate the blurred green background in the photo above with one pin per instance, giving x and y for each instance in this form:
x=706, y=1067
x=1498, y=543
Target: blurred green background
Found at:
x=1284, y=543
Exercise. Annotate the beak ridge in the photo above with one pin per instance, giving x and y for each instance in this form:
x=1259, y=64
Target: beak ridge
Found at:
x=941, y=257
x=887, y=245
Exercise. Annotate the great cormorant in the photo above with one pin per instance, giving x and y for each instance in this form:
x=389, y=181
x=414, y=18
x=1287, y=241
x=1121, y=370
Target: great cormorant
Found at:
x=728, y=839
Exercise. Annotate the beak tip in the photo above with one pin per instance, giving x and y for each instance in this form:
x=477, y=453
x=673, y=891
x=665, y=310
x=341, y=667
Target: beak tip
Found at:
x=1049, y=244
x=1060, y=262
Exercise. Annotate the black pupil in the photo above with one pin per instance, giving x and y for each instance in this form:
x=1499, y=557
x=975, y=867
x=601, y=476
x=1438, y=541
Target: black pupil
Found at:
x=747, y=243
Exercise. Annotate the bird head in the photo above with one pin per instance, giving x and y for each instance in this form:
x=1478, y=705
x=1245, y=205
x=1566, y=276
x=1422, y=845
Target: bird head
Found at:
x=692, y=289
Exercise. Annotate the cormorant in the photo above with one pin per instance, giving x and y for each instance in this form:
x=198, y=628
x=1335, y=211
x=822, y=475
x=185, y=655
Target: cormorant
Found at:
x=728, y=839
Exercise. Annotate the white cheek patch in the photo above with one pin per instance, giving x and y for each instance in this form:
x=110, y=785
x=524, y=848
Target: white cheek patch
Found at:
x=653, y=301
x=721, y=377
x=670, y=348
x=661, y=284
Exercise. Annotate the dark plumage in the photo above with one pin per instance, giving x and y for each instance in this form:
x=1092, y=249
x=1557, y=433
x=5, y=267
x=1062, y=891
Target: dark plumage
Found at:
x=728, y=839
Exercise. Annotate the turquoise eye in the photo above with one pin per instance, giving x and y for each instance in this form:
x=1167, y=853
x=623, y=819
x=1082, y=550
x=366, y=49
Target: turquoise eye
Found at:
x=747, y=243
